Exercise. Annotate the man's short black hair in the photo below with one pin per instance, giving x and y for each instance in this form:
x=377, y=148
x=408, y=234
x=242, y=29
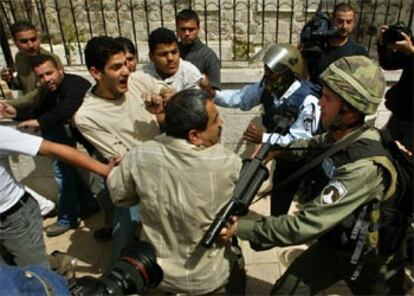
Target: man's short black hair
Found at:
x=21, y=26
x=127, y=44
x=186, y=110
x=40, y=59
x=99, y=50
x=186, y=15
x=342, y=6
x=161, y=35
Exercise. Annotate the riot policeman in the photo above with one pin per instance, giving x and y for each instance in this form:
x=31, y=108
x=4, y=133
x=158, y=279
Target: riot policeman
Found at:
x=281, y=85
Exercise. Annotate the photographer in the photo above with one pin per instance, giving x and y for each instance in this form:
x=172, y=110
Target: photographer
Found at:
x=393, y=55
x=338, y=204
x=337, y=46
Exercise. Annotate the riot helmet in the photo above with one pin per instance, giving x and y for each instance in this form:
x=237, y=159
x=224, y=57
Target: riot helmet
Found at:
x=280, y=57
x=283, y=63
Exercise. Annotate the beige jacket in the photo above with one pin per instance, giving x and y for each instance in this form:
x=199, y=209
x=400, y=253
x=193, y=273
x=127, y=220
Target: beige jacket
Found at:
x=180, y=189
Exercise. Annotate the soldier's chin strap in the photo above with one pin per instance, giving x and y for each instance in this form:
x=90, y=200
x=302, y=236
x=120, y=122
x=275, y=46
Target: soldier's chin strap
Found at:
x=338, y=124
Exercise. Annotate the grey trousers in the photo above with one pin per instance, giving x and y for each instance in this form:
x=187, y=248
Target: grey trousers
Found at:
x=21, y=236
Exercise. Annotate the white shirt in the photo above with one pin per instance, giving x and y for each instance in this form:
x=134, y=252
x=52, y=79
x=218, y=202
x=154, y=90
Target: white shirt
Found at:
x=187, y=75
x=12, y=141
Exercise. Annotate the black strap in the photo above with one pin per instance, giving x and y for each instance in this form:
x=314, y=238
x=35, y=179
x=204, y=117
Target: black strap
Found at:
x=310, y=165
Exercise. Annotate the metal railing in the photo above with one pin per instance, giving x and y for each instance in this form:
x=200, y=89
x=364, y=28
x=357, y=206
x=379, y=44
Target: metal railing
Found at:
x=236, y=26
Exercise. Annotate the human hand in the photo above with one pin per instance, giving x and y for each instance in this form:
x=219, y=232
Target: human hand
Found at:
x=381, y=31
x=227, y=233
x=403, y=148
x=205, y=85
x=7, y=111
x=253, y=134
x=33, y=123
x=167, y=92
x=406, y=46
x=6, y=74
x=154, y=103
x=115, y=161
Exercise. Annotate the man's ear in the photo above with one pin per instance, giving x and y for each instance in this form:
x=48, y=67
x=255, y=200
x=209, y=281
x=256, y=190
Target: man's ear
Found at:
x=150, y=56
x=194, y=137
x=60, y=69
x=95, y=73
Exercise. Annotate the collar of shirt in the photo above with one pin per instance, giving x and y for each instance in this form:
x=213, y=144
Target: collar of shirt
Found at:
x=150, y=69
x=292, y=88
x=196, y=45
x=179, y=144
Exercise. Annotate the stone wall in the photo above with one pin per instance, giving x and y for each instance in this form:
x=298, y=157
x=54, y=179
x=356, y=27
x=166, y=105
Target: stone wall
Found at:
x=236, y=29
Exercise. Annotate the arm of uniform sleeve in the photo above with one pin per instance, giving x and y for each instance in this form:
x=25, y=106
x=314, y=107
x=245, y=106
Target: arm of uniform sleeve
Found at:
x=359, y=183
x=121, y=183
x=245, y=98
x=66, y=108
x=304, y=127
x=213, y=71
x=107, y=144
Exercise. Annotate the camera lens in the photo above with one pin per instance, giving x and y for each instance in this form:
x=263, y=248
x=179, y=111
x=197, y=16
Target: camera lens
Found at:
x=136, y=272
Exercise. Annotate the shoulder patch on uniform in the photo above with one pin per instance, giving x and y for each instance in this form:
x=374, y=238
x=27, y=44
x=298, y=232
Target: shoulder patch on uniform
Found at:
x=334, y=191
x=329, y=167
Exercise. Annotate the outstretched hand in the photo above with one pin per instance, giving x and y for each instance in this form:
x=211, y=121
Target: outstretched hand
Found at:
x=205, y=85
x=7, y=111
x=406, y=46
x=167, y=92
x=154, y=103
x=253, y=133
x=31, y=123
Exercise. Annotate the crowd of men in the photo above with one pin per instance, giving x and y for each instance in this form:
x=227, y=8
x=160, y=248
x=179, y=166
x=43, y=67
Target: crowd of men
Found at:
x=153, y=135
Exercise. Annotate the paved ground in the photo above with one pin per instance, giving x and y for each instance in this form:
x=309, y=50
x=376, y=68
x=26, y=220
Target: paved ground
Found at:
x=263, y=268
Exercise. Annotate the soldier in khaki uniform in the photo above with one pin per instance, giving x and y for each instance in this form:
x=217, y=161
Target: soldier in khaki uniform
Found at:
x=335, y=193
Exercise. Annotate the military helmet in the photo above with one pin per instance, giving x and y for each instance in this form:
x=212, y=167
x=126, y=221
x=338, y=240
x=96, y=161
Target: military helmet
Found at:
x=280, y=57
x=358, y=80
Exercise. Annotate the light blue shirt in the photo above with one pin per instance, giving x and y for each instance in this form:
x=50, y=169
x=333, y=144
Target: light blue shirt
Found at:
x=249, y=96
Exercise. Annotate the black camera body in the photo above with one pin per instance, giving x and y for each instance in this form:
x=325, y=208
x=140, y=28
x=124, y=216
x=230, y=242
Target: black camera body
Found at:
x=316, y=33
x=393, y=33
x=136, y=272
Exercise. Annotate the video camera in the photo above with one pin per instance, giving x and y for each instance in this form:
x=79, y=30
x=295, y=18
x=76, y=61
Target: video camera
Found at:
x=316, y=33
x=136, y=272
x=393, y=33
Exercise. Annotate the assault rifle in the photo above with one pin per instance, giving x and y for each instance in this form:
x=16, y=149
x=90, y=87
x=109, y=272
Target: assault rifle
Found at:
x=252, y=176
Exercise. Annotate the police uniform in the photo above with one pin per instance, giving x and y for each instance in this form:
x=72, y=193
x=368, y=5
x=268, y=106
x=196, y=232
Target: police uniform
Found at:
x=300, y=94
